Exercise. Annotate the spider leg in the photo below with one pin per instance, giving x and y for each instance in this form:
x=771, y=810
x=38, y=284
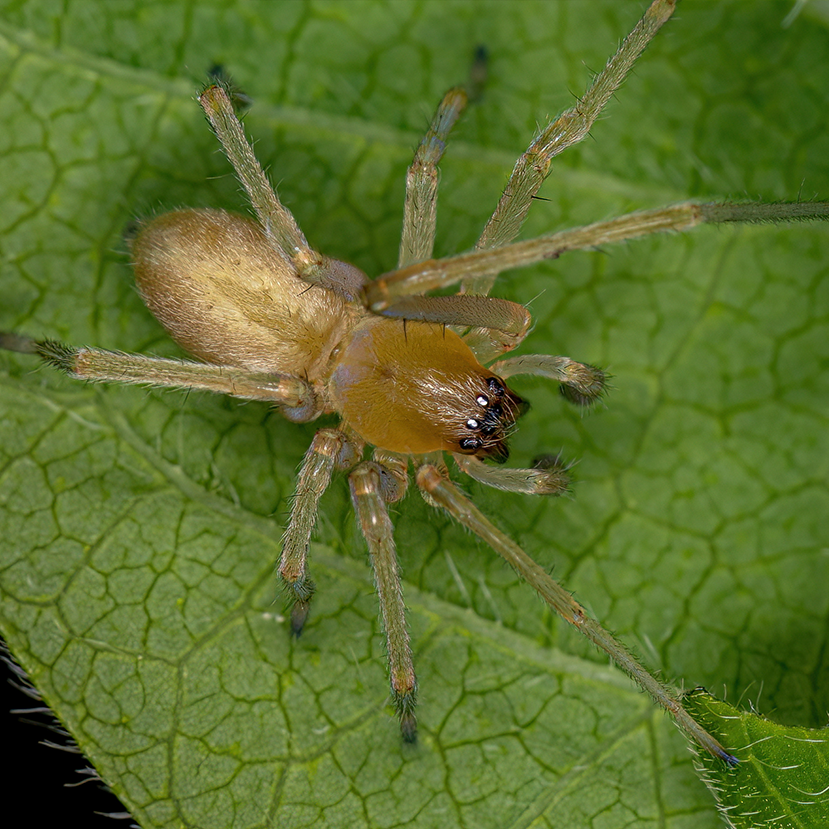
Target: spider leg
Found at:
x=330, y=449
x=372, y=485
x=276, y=220
x=533, y=167
x=581, y=383
x=295, y=396
x=501, y=325
x=544, y=480
x=432, y=274
x=443, y=493
x=420, y=208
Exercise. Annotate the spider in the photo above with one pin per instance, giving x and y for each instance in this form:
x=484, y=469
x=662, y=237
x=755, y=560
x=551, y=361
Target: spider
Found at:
x=413, y=376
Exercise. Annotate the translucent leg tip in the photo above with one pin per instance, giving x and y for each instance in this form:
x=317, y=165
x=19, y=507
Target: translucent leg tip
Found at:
x=299, y=615
x=408, y=727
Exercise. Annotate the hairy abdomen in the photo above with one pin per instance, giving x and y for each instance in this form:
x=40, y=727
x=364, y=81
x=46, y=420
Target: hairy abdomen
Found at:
x=227, y=297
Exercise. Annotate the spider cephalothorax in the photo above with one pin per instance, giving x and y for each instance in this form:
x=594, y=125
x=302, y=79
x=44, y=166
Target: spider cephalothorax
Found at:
x=416, y=387
x=409, y=374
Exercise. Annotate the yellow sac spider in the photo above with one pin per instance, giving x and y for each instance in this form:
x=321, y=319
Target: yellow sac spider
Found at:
x=411, y=375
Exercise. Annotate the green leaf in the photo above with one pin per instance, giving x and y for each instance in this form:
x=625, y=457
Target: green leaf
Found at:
x=139, y=529
x=783, y=772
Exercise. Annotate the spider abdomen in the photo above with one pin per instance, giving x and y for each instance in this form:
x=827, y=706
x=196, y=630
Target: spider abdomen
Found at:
x=227, y=296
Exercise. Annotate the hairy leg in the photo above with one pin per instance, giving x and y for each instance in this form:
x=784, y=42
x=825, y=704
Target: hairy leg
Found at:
x=372, y=485
x=581, y=383
x=501, y=324
x=420, y=208
x=385, y=291
x=330, y=449
x=545, y=480
x=276, y=220
x=442, y=492
x=533, y=167
x=294, y=395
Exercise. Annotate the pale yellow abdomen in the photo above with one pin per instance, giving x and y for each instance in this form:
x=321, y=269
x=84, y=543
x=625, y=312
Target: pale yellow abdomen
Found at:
x=227, y=296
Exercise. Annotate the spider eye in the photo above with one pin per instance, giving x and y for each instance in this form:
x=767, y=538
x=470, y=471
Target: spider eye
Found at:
x=495, y=387
x=470, y=444
x=472, y=423
x=482, y=400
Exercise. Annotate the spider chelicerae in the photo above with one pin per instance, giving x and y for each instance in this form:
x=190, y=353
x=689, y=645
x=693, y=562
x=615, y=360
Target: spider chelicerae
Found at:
x=411, y=375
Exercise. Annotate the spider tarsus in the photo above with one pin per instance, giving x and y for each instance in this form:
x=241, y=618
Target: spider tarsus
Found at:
x=759, y=213
x=405, y=704
x=299, y=595
x=59, y=355
x=572, y=394
x=714, y=746
x=9, y=341
x=210, y=98
x=408, y=727
x=586, y=384
x=219, y=76
x=478, y=73
x=299, y=615
x=548, y=461
x=555, y=480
